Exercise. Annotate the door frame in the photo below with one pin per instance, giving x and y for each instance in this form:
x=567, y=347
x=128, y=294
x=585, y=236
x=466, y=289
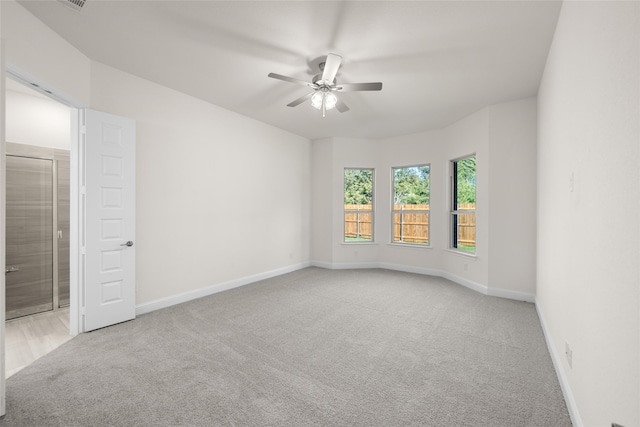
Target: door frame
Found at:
x=75, y=229
x=6, y=71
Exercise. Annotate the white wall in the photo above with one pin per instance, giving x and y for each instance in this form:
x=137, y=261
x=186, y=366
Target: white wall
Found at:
x=588, y=291
x=35, y=120
x=410, y=150
x=219, y=196
x=503, y=137
x=512, y=195
x=40, y=55
x=322, y=205
x=469, y=135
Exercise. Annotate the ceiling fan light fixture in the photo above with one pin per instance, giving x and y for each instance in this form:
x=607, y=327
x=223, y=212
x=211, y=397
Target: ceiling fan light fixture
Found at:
x=323, y=84
x=330, y=101
x=316, y=100
x=324, y=100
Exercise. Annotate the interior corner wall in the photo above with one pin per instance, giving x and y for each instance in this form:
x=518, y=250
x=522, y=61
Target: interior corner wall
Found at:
x=322, y=205
x=219, y=197
x=512, y=195
x=588, y=292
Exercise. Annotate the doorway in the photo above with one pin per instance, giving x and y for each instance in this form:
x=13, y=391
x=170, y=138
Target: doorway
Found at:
x=38, y=135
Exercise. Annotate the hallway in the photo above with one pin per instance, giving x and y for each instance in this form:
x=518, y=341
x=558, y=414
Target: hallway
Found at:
x=31, y=337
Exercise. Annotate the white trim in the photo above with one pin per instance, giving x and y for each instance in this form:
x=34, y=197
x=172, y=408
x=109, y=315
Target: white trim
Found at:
x=410, y=269
x=562, y=378
x=75, y=252
x=32, y=82
x=420, y=246
x=514, y=295
x=231, y=284
x=485, y=290
x=349, y=265
x=3, y=388
x=474, y=286
x=210, y=290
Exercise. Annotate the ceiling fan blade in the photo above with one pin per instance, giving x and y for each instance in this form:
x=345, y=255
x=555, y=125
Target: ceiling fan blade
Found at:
x=351, y=87
x=341, y=106
x=291, y=79
x=300, y=100
x=331, y=65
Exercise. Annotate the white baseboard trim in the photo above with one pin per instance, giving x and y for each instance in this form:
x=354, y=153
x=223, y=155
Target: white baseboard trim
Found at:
x=203, y=292
x=465, y=282
x=346, y=265
x=509, y=294
x=220, y=287
x=410, y=269
x=562, y=378
x=485, y=290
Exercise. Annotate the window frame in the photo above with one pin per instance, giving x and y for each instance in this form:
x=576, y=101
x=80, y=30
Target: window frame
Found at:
x=401, y=212
x=454, y=212
x=358, y=211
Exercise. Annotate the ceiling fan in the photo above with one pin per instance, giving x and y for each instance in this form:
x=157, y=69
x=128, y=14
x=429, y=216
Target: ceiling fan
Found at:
x=324, y=85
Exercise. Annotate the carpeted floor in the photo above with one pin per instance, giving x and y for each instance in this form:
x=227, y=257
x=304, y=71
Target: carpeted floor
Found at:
x=311, y=348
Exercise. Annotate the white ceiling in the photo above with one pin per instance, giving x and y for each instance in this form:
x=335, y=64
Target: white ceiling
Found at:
x=438, y=60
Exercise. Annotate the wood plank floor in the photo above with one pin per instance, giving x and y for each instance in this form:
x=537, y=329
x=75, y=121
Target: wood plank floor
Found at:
x=29, y=338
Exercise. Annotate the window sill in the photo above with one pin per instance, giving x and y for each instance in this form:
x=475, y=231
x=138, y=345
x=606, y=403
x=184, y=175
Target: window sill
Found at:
x=462, y=253
x=359, y=243
x=409, y=245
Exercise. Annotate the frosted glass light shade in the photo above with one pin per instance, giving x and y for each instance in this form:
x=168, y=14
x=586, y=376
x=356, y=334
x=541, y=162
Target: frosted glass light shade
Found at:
x=330, y=101
x=323, y=96
x=316, y=100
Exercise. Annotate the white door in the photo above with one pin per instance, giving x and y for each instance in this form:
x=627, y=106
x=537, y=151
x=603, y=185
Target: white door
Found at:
x=108, y=150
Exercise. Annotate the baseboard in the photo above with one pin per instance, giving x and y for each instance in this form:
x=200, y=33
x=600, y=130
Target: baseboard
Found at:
x=410, y=269
x=210, y=290
x=344, y=265
x=485, y=290
x=509, y=294
x=465, y=282
x=562, y=378
x=220, y=287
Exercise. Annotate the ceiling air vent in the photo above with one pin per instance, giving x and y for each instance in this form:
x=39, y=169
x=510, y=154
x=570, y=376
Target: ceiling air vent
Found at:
x=74, y=4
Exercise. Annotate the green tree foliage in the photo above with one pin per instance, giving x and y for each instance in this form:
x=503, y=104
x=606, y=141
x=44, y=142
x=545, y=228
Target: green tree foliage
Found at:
x=358, y=186
x=411, y=185
x=466, y=179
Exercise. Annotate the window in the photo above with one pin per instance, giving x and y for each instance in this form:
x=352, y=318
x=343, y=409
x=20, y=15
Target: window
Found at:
x=463, y=209
x=410, y=211
x=358, y=205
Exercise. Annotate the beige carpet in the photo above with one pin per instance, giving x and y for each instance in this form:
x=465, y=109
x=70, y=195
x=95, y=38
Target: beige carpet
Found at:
x=311, y=348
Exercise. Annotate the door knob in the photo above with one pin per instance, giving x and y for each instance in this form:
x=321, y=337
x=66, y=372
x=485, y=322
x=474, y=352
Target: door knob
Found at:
x=11, y=269
x=129, y=243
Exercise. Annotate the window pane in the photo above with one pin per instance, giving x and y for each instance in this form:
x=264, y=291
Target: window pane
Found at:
x=466, y=232
x=358, y=205
x=411, y=204
x=411, y=185
x=358, y=224
x=463, y=217
x=466, y=183
x=411, y=227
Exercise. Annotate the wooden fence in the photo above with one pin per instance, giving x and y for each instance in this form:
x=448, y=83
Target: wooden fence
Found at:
x=408, y=226
x=466, y=226
x=357, y=222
